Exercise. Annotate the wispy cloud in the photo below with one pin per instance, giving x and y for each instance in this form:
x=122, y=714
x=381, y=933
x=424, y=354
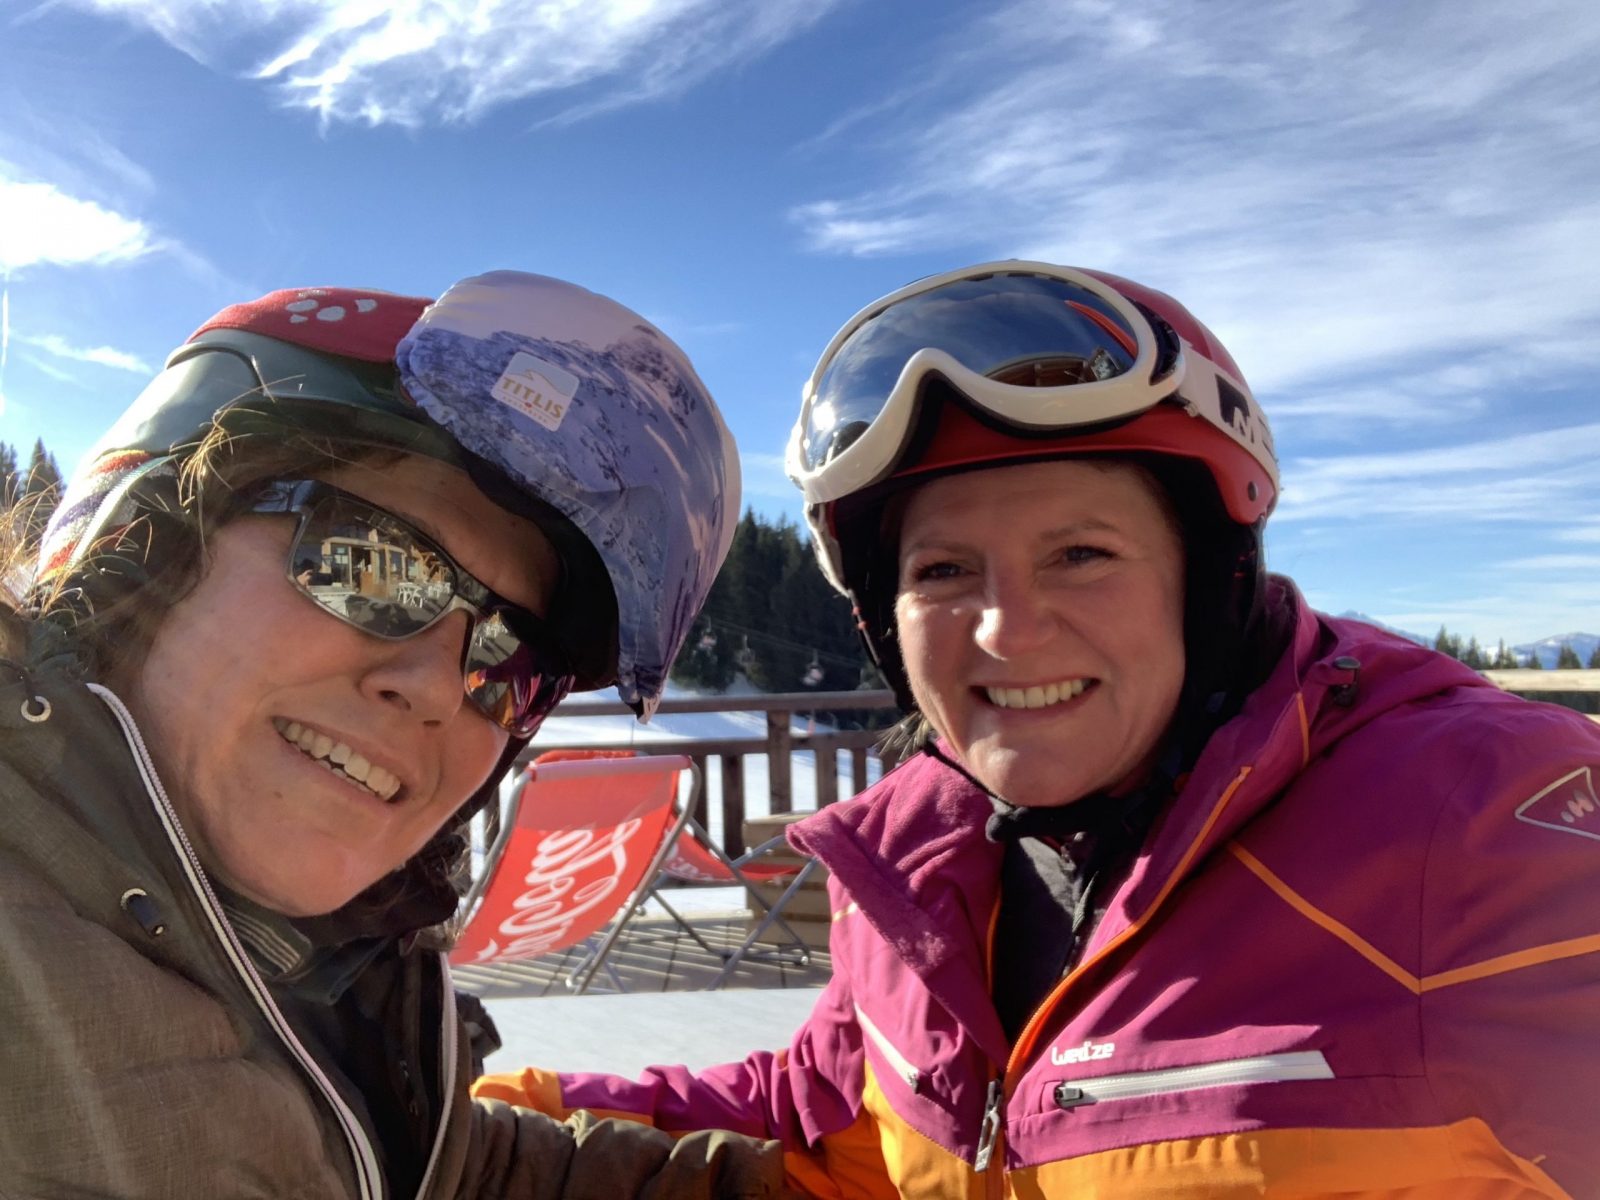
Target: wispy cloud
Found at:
x=1554, y=562
x=41, y=224
x=102, y=356
x=1336, y=188
x=1588, y=531
x=419, y=62
x=1545, y=477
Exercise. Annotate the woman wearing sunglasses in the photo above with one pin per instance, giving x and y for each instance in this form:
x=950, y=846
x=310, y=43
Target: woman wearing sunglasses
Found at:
x=289, y=628
x=1188, y=890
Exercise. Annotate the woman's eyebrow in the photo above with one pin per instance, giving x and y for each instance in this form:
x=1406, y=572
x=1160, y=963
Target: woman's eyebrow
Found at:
x=941, y=539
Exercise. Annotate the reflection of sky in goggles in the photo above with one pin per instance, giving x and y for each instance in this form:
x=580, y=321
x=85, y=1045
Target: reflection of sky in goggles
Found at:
x=1025, y=330
x=371, y=569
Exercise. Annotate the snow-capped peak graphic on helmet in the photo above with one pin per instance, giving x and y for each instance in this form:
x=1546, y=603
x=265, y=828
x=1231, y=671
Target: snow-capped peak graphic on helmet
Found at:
x=600, y=415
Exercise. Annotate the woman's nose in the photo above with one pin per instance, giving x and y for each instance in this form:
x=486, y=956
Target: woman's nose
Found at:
x=1016, y=619
x=422, y=674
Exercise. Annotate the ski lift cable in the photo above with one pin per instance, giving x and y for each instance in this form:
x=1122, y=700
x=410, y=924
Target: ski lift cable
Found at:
x=772, y=639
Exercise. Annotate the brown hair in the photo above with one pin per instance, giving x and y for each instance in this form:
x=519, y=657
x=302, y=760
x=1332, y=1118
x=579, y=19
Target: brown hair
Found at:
x=101, y=614
x=98, y=618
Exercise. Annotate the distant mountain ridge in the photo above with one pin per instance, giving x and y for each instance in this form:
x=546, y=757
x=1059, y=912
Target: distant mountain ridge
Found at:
x=1547, y=649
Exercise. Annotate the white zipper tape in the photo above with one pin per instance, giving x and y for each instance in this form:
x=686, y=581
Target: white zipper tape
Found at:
x=1268, y=1068
x=899, y=1062
x=368, y=1176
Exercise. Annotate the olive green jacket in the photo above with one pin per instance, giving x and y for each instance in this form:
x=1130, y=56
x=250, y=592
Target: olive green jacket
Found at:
x=143, y=1055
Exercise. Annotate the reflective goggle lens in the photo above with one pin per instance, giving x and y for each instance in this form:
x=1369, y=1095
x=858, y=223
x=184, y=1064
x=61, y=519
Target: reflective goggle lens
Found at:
x=1027, y=330
x=375, y=571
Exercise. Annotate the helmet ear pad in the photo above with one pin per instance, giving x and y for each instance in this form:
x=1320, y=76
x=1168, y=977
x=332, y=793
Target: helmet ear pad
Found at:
x=869, y=540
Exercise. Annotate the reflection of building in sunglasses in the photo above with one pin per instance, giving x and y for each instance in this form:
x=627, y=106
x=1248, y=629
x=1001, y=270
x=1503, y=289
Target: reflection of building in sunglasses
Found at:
x=373, y=570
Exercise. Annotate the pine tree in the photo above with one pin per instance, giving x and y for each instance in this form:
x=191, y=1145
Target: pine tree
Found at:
x=40, y=489
x=1473, y=655
x=8, y=475
x=1504, y=659
x=1448, y=643
x=773, y=616
x=1533, y=663
x=1567, y=659
x=1594, y=659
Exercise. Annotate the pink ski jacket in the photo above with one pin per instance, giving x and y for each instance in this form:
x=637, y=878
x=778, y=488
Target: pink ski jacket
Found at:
x=1358, y=956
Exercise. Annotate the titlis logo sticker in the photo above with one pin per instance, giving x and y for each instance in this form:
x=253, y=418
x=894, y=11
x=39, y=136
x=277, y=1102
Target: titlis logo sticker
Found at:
x=1088, y=1052
x=1568, y=805
x=536, y=388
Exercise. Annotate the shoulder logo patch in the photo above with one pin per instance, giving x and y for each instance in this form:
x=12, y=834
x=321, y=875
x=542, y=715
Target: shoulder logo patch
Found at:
x=1569, y=805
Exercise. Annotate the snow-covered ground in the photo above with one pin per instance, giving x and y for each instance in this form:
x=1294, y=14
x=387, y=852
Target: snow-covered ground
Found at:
x=621, y=1035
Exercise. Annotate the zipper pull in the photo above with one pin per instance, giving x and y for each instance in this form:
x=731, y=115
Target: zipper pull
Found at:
x=989, y=1134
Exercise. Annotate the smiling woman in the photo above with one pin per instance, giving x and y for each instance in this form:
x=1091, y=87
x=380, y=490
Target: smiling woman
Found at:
x=1187, y=890
x=287, y=631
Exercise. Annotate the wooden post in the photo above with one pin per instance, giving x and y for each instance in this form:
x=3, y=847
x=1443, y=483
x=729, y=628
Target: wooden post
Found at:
x=858, y=769
x=827, y=777
x=888, y=760
x=779, y=746
x=702, y=793
x=733, y=804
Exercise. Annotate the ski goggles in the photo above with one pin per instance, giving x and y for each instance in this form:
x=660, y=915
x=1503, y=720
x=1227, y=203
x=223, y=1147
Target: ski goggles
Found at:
x=1039, y=348
x=376, y=571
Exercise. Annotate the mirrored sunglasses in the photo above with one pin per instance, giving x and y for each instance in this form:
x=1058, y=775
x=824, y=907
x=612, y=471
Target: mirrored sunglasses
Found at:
x=374, y=570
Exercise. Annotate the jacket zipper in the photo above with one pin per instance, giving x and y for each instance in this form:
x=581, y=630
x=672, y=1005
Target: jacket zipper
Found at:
x=992, y=1128
x=1270, y=1068
x=447, y=1072
x=901, y=1065
x=368, y=1177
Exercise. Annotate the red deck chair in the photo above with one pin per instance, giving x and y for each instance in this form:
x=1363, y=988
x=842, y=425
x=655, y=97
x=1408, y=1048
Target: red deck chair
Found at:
x=697, y=860
x=586, y=838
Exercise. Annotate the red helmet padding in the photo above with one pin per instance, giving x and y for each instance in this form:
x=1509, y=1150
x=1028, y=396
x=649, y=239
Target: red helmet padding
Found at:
x=961, y=439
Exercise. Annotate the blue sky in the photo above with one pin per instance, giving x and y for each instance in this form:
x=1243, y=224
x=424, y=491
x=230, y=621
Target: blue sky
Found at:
x=1389, y=211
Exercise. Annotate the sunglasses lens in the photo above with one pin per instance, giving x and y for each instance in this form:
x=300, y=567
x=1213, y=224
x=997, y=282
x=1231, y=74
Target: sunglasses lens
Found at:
x=1028, y=330
x=515, y=679
x=377, y=573
x=370, y=569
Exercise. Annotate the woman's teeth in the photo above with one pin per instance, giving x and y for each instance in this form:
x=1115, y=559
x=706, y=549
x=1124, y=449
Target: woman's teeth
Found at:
x=338, y=758
x=1036, y=697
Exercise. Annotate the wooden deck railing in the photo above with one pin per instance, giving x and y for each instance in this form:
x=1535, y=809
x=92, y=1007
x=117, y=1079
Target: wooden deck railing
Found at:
x=1575, y=688
x=781, y=743
x=1528, y=683
x=779, y=746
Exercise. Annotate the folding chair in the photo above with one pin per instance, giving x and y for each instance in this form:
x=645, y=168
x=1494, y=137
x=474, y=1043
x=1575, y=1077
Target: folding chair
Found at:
x=586, y=838
x=697, y=860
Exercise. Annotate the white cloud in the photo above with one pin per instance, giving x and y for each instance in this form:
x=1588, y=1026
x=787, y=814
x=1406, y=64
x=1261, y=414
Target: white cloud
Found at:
x=417, y=62
x=103, y=356
x=1554, y=562
x=1588, y=532
x=48, y=369
x=1336, y=188
x=40, y=224
x=1544, y=477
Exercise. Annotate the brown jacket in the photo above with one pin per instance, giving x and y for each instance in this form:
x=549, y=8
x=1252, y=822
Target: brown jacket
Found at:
x=143, y=1055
